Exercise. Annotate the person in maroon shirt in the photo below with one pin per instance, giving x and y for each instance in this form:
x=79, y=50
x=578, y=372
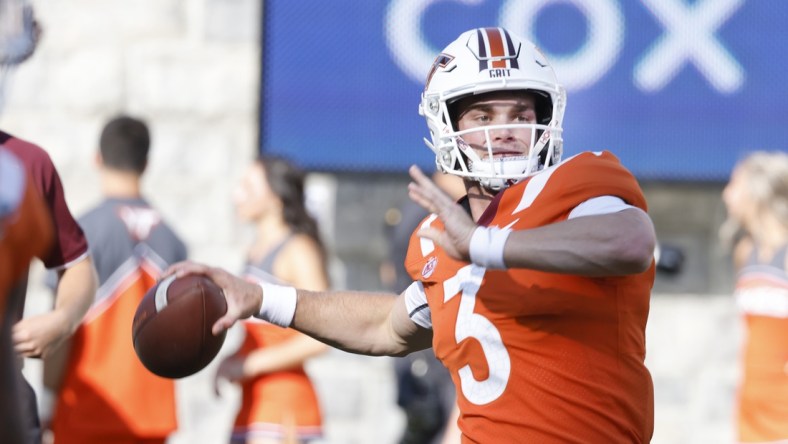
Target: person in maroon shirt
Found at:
x=25, y=233
x=40, y=335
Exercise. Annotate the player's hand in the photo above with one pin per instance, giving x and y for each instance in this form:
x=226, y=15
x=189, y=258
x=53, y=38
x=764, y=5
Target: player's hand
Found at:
x=243, y=298
x=38, y=336
x=456, y=239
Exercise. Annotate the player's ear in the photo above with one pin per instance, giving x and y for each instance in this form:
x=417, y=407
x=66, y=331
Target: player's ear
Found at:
x=98, y=159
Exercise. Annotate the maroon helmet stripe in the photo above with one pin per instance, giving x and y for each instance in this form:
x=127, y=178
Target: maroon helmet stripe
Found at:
x=482, y=50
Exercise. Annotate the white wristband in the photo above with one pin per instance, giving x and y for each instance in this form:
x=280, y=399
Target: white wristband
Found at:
x=486, y=247
x=279, y=304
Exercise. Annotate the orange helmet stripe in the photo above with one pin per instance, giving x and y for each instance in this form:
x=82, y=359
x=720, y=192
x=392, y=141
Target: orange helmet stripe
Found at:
x=496, y=47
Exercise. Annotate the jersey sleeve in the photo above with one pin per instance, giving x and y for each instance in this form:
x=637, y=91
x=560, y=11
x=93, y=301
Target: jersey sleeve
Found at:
x=591, y=175
x=553, y=194
x=417, y=306
x=70, y=244
x=599, y=205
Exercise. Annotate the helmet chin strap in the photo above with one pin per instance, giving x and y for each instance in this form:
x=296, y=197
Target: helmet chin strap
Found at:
x=497, y=174
x=503, y=167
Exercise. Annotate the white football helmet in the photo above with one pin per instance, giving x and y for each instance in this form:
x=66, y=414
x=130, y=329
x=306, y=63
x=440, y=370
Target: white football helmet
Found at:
x=485, y=60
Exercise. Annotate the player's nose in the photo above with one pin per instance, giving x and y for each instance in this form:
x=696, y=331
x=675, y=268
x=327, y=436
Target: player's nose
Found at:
x=502, y=133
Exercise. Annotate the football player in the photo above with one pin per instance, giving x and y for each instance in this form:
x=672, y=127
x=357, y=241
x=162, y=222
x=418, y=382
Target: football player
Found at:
x=533, y=290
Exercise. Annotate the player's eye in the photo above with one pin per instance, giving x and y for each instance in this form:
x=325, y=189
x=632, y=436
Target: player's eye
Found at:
x=525, y=116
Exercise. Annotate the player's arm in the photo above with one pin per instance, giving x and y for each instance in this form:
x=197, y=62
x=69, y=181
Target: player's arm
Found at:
x=76, y=291
x=302, y=265
x=614, y=244
x=38, y=336
x=360, y=322
x=610, y=244
x=357, y=322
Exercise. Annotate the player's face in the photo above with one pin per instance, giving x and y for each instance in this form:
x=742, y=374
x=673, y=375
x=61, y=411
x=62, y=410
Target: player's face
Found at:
x=498, y=108
x=253, y=197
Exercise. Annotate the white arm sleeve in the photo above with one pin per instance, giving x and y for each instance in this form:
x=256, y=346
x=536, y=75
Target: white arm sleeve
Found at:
x=416, y=304
x=599, y=205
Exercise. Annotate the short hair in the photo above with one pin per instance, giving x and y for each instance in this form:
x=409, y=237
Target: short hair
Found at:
x=124, y=144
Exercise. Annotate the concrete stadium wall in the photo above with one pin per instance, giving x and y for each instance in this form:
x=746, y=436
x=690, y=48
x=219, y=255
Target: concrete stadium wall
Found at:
x=190, y=67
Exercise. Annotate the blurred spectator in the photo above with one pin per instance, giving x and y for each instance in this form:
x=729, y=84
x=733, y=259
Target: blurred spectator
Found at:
x=25, y=232
x=105, y=393
x=40, y=335
x=279, y=403
x=757, y=232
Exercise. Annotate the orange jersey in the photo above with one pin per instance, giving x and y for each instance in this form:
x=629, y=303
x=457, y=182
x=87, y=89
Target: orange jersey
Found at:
x=274, y=403
x=762, y=297
x=107, y=393
x=536, y=356
x=277, y=403
x=25, y=230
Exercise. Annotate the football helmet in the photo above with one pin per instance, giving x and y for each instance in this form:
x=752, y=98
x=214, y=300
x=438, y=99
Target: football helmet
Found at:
x=481, y=61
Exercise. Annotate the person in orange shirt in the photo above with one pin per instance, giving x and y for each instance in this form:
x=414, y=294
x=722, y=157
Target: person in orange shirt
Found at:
x=757, y=231
x=533, y=291
x=279, y=403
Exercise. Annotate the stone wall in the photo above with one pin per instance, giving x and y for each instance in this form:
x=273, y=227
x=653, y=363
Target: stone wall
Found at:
x=190, y=67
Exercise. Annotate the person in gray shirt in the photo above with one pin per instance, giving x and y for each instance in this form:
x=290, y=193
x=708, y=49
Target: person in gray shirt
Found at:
x=103, y=393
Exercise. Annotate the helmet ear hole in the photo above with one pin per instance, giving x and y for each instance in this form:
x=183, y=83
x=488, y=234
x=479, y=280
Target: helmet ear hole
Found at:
x=452, y=109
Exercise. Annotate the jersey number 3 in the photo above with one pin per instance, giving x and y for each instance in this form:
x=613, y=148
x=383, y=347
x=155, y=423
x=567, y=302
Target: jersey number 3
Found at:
x=466, y=284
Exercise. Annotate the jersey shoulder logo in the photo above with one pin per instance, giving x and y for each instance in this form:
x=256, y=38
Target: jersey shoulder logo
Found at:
x=429, y=267
x=139, y=221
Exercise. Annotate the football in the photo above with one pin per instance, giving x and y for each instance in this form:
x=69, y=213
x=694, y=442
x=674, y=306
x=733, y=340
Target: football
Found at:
x=171, y=330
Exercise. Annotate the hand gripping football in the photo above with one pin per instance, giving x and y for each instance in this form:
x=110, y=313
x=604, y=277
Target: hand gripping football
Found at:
x=172, y=326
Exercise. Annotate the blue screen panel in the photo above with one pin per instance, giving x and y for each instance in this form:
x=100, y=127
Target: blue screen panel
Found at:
x=679, y=90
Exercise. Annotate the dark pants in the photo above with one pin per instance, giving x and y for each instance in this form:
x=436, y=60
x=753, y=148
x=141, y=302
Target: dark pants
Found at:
x=426, y=395
x=18, y=410
x=30, y=409
x=22, y=395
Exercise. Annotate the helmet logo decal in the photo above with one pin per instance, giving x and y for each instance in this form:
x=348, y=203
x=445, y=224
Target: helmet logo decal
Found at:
x=429, y=267
x=441, y=61
x=496, y=46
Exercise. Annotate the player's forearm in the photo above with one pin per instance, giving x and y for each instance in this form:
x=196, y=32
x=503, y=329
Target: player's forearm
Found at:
x=606, y=245
x=356, y=322
x=76, y=291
